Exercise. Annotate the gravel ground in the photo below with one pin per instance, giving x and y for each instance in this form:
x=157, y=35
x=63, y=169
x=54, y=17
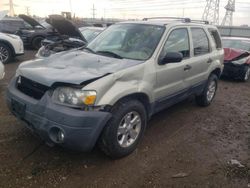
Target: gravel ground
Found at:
x=184, y=146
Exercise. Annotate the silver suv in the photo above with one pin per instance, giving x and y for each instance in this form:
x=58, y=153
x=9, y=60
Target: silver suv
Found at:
x=105, y=93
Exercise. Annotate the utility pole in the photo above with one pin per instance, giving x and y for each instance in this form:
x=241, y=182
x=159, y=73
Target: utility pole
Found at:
x=70, y=6
x=27, y=10
x=11, y=13
x=93, y=12
x=230, y=9
x=211, y=11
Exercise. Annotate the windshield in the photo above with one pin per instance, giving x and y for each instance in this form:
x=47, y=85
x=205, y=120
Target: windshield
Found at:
x=90, y=34
x=131, y=41
x=237, y=44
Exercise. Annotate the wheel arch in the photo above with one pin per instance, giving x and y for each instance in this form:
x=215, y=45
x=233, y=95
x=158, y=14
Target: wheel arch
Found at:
x=217, y=72
x=141, y=97
x=7, y=43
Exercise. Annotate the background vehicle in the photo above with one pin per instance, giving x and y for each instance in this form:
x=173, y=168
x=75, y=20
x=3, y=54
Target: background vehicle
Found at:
x=90, y=33
x=33, y=32
x=237, y=58
x=106, y=92
x=70, y=36
x=10, y=46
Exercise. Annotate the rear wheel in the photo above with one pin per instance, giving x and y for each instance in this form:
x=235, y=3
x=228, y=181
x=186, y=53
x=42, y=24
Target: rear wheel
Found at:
x=209, y=91
x=5, y=53
x=123, y=132
x=246, y=74
x=36, y=42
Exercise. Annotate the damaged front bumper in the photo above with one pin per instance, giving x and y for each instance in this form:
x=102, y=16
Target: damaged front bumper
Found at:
x=233, y=70
x=71, y=128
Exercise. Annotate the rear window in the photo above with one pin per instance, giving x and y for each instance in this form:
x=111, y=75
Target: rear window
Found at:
x=216, y=38
x=200, y=41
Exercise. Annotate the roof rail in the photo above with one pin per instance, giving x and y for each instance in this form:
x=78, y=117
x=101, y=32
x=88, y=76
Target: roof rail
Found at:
x=168, y=18
x=186, y=20
x=200, y=21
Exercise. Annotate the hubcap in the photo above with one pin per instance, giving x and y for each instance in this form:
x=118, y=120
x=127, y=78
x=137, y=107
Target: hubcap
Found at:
x=4, y=54
x=129, y=129
x=247, y=74
x=211, y=90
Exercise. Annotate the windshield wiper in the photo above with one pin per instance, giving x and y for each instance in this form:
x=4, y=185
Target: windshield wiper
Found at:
x=110, y=54
x=89, y=49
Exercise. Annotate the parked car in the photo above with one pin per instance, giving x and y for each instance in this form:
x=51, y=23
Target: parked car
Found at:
x=90, y=33
x=2, y=73
x=10, y=45
x=237, y=58
x=34, y=32
x=70, y=36
x=106, y=92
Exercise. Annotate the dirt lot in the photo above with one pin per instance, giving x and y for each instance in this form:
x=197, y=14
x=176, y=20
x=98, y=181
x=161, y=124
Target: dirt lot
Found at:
x=195, y=144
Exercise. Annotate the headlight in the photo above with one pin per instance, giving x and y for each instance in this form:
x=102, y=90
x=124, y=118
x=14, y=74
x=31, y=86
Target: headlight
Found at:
x=74, y=97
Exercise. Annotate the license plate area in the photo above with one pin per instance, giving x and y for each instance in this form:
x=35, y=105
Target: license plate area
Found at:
x=18, y=108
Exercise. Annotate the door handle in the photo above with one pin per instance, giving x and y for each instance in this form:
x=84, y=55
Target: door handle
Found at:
x=209, y=61
x=187, y=67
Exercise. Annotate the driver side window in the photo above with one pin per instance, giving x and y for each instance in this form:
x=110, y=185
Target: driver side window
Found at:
x=178, y=41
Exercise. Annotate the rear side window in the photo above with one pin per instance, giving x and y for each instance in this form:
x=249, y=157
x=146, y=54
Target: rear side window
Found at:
x=178, y=41
x=216, y=38
x=200, y=41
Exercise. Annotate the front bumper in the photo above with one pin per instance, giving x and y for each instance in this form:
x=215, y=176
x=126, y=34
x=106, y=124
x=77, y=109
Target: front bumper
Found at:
x=233, y=71
x=81, y=128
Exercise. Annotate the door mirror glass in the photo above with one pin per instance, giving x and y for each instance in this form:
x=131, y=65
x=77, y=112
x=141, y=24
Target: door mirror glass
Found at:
x=171, y=57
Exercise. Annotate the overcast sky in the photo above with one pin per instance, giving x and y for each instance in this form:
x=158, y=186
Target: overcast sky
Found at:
x=127, y=9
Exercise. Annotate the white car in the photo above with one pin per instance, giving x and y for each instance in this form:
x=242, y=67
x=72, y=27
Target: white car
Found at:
x=10, y=45
x=1, y=70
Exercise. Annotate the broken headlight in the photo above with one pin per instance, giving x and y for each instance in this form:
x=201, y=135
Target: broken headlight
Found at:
x=74, y=97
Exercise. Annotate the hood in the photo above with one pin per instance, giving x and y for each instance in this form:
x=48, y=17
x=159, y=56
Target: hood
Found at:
x=231, y=54
x=65, y=27
x=3, y=14
x=73, y=67
x=30, y=20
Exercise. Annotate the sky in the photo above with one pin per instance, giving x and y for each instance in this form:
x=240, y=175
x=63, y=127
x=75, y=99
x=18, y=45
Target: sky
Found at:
x=127, y=9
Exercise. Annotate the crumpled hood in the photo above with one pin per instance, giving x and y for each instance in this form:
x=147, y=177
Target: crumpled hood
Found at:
x=73, y=67
x=231, y=54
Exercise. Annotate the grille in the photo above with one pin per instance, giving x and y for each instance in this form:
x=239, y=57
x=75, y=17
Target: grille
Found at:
x=31, y=88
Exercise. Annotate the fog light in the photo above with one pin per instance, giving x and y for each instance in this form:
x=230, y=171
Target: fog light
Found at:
x=57, y=135
x=60, y=136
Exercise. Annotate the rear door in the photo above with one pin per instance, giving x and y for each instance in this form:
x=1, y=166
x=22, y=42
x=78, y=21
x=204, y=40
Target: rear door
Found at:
x=201, y=57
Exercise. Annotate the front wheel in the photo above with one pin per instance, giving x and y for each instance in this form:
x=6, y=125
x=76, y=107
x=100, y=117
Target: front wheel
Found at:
x=208, y=94
x=5, y=53
x=37, y=42
x=123, y=132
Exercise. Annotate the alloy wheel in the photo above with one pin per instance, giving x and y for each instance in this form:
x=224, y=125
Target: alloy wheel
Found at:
x=129, y=129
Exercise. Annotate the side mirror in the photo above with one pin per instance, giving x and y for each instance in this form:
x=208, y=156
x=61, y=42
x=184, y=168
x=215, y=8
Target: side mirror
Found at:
x=171, y=57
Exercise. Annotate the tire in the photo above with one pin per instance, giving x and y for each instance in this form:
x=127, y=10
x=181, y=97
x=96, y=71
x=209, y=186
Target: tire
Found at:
x=36, y=42
x=246, y=75
x=5, y=53
x=208, y=94
x=118, y=144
